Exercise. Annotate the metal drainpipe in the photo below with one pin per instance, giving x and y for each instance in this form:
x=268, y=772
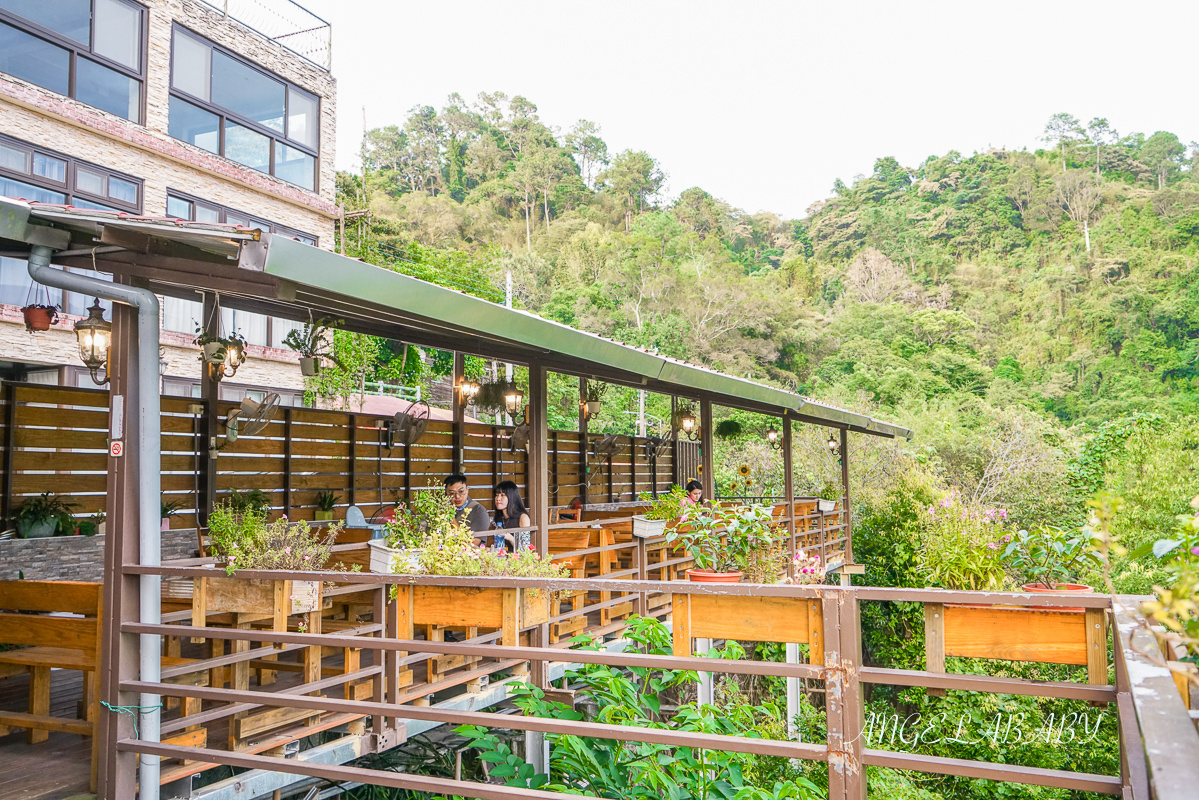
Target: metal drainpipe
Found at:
x=149, y=451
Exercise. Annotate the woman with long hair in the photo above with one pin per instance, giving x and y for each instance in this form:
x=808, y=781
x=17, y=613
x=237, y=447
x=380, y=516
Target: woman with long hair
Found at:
x=510, y=512
x=694, y=496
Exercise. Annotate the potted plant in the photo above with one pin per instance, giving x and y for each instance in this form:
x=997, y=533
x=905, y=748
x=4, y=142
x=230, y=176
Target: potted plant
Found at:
x=430, y=516
x=595, y=397
x=492, y=396
x=39, y=316
x=243, y=539
x=728, y=429
x=313, y=342
x=664, y=509
x=168, y=510
x=45, y=515
x=719, y=539
x=214, y=350
x=254, y=500
x=807, y=569
x=827, y=498
x=1049, y=559
x=93, y=525
x=325, y=501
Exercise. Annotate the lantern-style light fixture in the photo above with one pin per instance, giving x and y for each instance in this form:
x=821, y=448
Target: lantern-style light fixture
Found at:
x=772, y=437
x=467, y=391
x=689, y=425
x=235, y=356
x=834, y=446
x=95, y=337
x=514, y=400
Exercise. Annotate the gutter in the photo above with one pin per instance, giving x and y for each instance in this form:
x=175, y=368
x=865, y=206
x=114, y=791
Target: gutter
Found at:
x=149, y=477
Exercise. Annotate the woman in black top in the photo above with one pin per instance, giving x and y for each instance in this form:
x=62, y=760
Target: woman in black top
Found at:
x=510, y=512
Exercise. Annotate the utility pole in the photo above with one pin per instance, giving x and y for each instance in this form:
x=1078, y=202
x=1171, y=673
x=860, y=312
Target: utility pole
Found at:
x=641, y=413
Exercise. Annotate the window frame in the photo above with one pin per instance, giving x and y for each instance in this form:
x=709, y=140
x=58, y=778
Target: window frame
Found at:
x=75, y=49
x=68, y=186
x=225, y=115
x=225, y=211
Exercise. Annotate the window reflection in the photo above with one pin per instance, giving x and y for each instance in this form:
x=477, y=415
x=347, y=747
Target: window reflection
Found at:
x=246, y=91
x=35, y=60
x=295, y=166
x=71, y=18
x=118, y=32
x=247, y=147
x=107, y=89
x=194, y=125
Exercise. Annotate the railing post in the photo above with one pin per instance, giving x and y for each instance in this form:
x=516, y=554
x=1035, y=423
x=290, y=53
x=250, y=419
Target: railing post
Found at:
x=847, y=530
x=789, y=495
x=843, y=698
x=539, y=495
x=707, y=457
x=457, y=425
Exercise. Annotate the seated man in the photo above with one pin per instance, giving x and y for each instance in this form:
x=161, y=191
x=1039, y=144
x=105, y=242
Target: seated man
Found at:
x=470, y=513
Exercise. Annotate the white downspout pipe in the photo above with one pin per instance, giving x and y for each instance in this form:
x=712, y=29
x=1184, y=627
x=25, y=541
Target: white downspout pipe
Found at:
x=149, y=481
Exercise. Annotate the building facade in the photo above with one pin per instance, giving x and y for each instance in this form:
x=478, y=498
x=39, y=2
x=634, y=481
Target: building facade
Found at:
x=164, y=108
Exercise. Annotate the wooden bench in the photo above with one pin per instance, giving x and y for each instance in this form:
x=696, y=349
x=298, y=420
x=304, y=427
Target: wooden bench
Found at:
x=51, y=642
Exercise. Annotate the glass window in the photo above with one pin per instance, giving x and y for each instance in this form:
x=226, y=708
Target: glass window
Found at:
x=280, y=329
x=107, y=89
x=295, y=166
x=191, y=66
x=35, y=60
x=247, y=92
x=27, y=191
x=71, y=18
x=195, y=125
x=14, y=158
x=118, y=32
x=16, y=285
x=50, y=168
x=178, y=207
x=207, y=214
x=247, y=147
x=181, y=316
x=302, y=117
x=90, y=181
x=122, y=190
x=79, y=202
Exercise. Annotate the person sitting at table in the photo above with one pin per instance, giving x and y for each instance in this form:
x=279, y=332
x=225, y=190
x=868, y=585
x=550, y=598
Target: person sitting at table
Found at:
x=694, y=496
x=469, y=512
x=510, y=512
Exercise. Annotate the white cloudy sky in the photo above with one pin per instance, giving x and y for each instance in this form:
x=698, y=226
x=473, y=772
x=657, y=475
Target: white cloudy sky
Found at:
x=764, y=103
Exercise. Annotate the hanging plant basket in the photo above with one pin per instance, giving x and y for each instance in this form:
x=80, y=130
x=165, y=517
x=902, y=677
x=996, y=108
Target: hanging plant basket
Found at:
x=39, y=318
x=309, y=366
x=594, y=407
x=213, y=352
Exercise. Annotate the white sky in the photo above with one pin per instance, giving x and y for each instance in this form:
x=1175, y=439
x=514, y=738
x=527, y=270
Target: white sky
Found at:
x=764, y=103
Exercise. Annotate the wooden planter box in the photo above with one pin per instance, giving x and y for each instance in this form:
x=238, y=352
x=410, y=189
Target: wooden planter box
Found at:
x=277, y=599
x=509, y=610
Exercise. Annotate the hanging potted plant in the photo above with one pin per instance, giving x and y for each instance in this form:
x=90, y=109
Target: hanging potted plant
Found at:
x=492, y=396
x=826, y=501
x=39, y=317
x=595, y=397
x=325, y=502
x=45, y=515
x=313, y=342
x=168, y=511
x=720, y=539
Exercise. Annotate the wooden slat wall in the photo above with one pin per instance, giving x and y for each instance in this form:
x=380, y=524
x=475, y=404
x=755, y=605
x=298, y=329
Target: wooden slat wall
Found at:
x=60, y=444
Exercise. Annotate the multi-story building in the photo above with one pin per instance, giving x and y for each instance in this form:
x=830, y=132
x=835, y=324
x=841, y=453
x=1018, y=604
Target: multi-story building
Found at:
x=165, y=108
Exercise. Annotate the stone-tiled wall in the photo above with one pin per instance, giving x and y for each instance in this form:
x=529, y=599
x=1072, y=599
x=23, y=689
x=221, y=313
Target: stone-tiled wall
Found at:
x=75, y=558
x=33, y=114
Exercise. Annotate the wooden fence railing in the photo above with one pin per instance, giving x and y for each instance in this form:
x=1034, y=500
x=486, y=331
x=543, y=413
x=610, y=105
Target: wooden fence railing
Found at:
x=56, y=439
x=506, y=626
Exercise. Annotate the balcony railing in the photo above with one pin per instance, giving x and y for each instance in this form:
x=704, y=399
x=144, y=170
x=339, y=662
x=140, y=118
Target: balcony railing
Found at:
x=285, y=22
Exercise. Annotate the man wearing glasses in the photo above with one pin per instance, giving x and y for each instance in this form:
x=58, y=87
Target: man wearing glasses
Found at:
x=470, y=513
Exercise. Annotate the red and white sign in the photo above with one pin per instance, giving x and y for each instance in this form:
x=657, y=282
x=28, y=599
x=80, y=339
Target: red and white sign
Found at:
x=116, y=449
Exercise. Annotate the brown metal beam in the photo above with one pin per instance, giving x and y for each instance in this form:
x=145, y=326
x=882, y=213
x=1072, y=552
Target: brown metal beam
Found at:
x=538, y=411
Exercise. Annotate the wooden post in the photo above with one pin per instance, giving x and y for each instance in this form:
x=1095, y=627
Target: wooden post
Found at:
x=209, y=394
x=843, y=701
x=287, y=462
x=584, y=472
x=934, y=642
x=353, y=431
x=117, y=773
x=539, y=498
x=789, y=491
x=554, y=468
x=456, y=431
x=707, y=457
x=847, y=531
x=10, y=436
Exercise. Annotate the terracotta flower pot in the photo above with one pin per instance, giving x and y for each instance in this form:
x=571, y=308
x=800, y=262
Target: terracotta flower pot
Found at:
x=38, y=319
x=1058, y=588
x=708, y=576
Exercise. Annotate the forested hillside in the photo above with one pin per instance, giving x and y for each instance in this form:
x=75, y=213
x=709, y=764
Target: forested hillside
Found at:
x=1032, y=316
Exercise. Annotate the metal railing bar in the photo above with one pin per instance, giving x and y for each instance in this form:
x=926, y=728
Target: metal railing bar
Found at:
x=1005, y=773
x=256, y=652
x=988, y=683
x=592, y=730
x=490, y=651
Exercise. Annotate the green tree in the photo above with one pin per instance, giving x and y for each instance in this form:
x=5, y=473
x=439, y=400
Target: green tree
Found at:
x=634, y=178
x=1163, y=153
x=1062, y=129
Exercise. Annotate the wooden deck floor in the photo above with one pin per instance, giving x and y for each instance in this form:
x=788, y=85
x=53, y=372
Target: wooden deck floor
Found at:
x=57, y=768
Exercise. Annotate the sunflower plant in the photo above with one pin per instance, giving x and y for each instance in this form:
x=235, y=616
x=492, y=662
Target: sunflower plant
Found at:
x=721, y=539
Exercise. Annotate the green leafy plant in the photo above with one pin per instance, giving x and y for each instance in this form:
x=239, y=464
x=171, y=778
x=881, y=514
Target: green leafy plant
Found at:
x=961, y=545
x=326, y=500
x=45, y=507
x=254, y=500
x=169, y=509
x=829, y=491
x=1176, y=606
x=314, y=340
x=1048, y=556
x=429, y=514
x=232, y=340
x=492, y=393
x=729, y=429
x=243, y=539
x=720, y=538
x=666, y=506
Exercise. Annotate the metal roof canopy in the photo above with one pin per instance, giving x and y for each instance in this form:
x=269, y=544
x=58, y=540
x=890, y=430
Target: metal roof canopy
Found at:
x=255, y=271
